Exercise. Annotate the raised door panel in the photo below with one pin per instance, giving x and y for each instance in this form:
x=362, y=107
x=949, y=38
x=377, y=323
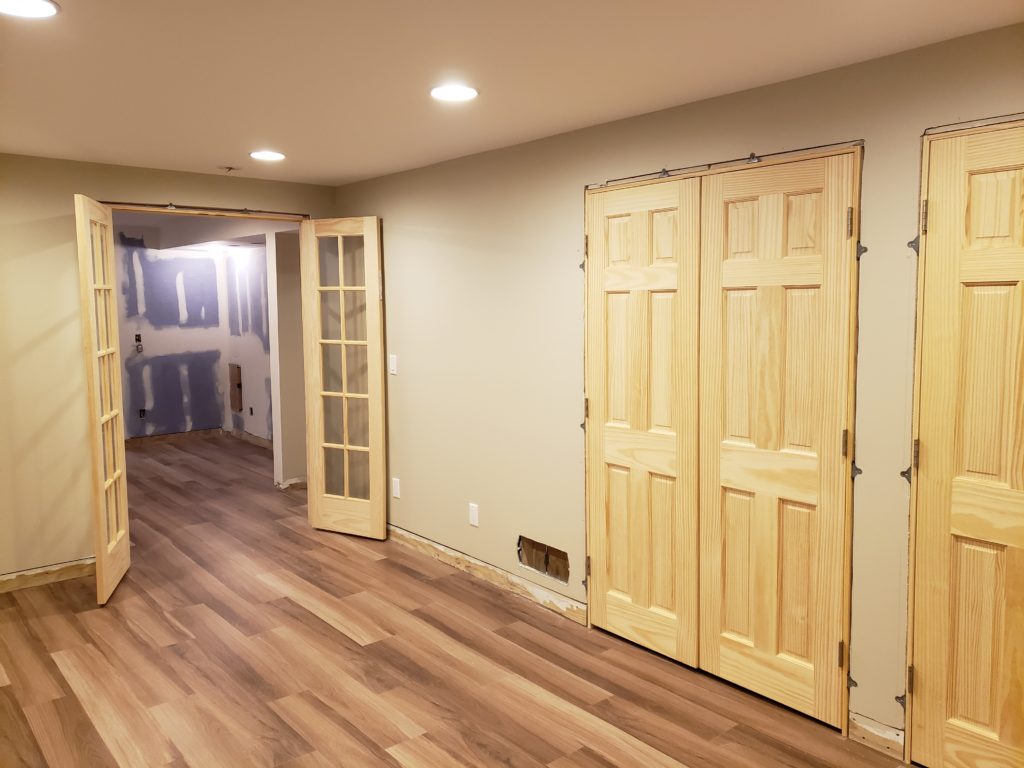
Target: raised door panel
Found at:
x=776, y=280
x=641, y=434
x=968, y=649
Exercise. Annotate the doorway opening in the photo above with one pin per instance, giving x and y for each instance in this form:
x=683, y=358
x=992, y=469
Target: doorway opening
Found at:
x=208, y=314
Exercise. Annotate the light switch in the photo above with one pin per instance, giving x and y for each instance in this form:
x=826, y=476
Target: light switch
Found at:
x=396, y=488
x=393, y=365
x=474, y=514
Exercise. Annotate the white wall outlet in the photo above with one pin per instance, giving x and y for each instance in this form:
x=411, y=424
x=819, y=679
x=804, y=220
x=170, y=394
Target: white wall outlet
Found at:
x=474, y=514
x=393, y=365
x=396, y=488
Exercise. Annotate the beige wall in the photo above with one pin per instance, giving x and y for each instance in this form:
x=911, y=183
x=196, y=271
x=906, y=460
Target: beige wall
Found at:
x=43, y=450
x=485, y=310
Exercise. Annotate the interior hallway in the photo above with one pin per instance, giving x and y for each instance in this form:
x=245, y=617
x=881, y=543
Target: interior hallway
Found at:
x=242, y=637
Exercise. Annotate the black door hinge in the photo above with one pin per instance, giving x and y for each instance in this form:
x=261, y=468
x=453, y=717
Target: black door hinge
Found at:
x=842, y=654
x=916, y=460
x=849, y=221
x=924, y=217
x=846, y=443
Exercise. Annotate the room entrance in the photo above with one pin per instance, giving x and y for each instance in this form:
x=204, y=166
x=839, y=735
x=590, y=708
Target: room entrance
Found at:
x=193, y=321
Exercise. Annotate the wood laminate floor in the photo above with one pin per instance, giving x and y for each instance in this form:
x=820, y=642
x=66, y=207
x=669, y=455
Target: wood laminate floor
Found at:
x=240, y=637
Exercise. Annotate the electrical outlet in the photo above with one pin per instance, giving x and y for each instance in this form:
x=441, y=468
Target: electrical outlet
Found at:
x=396, y=488
x=250, y=411
x=393, y=365
x=142, y=413
x=474, y=514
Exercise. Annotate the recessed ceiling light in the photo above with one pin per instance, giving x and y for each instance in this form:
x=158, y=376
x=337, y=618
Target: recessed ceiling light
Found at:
x=453, y=92
x=29, y=9
x=267, y=155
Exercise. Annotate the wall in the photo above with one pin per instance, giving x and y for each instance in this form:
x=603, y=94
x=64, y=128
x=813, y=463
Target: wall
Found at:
x=289, y=393
x=44, y=480
x=485, y=310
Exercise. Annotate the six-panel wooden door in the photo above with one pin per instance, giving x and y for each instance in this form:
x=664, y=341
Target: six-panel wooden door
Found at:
x=343, y=344
x=777, y=260
x=97, y=275
x=968, y=650
x=642, y=394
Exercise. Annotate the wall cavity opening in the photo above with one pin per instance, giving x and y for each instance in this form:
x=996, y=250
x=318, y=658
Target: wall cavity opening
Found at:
x=544, y=558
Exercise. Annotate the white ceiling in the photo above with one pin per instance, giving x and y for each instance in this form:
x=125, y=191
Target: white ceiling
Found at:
x=342, y=86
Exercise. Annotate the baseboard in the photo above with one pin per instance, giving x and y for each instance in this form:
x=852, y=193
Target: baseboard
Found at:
x=571, y=609
x=882, y=738
x=35, y=577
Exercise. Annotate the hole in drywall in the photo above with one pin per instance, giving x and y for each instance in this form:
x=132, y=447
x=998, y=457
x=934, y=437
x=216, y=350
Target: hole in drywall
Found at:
x=235, y=386
x=544, y=558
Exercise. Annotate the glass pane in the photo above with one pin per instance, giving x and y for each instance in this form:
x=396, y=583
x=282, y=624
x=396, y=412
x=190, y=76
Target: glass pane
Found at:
x=99, y=272
x=332, y=367
x=359, y=474
x=334, y=471
x=330, y=315
x=352, y=257
x=355, y=369
x=104, y=377
x=102, y=315
x=355, y=315
x=328, y=250
x=358, y=421
x=334, y=420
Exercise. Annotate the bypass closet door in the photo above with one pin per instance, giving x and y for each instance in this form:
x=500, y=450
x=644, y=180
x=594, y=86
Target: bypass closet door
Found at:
x=97, y=277
x=968, y=655
x=777, y=259
x=641, y=431
x=343, y=341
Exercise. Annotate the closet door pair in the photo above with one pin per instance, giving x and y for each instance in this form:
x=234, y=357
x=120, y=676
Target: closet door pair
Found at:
x=719, y=379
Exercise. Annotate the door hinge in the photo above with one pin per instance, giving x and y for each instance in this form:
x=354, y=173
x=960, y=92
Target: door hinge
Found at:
x=846, y=443
x=588, y=566
x=586, y=407
x=586, y=246
x=842, y=654
x=915, y=462
x=924, y=217
x=910, y=679
x=849, y=221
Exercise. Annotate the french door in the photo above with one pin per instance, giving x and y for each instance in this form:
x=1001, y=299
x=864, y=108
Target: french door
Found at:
x=968, y=648
x=97, y=278
x=343, y=342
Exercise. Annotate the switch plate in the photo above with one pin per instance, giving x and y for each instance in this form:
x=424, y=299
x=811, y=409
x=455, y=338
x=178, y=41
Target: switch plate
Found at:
x=393, y=365
x=396, y=488
x=474, y=514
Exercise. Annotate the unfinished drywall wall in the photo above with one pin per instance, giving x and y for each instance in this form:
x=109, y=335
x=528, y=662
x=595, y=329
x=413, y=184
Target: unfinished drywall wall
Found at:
x=44, y=481
x=288, y=393
x=485, y=311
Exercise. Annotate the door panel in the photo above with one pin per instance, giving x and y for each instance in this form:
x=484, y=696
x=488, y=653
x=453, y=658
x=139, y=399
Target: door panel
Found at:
x=777, y=262
x=342, y=300
x=97, y=278
x=968, y=654
x=642, y=426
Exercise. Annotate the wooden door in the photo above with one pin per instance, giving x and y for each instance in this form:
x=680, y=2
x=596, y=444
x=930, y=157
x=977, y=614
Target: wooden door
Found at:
x=642, y=270
x=968, y=648
x=343, y=344
x=777, y=263
x=97, y=276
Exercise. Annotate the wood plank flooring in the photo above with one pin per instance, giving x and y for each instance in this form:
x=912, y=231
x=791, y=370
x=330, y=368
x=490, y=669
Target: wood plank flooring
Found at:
x=240, y=637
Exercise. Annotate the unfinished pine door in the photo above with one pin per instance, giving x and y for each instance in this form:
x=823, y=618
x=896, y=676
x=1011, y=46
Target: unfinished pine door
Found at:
x=777, y=260
x=343, y=343
x=97, y=277
x=968, y=649
x=641, y=431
